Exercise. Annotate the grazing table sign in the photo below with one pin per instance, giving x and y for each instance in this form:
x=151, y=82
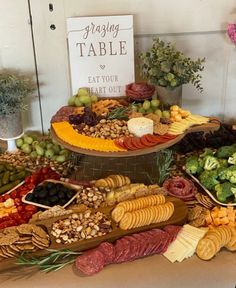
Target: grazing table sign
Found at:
x=101, y=53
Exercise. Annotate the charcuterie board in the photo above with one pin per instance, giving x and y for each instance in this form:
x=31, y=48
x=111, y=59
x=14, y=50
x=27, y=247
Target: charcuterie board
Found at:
x=178, y=218
x=204, y=127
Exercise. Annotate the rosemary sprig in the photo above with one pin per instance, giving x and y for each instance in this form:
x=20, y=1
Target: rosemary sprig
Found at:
x=164, y=159
x=54, y=261
x=119, y=113
x=122, y=112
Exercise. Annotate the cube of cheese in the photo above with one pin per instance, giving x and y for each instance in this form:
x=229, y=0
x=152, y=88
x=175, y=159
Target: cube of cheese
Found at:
x=140, y=126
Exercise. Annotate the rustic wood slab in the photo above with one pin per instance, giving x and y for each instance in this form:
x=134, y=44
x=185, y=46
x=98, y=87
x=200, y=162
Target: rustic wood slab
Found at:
x=204, y=128
x=178, y=218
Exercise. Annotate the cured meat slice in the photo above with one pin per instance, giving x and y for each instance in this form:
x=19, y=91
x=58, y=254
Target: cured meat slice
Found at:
x=180, y=187
x=134, y=247
x=173, y=230
x=157, y=238
x=142, y=244
x=125, y=255
x=90, y=262
x=108, y=251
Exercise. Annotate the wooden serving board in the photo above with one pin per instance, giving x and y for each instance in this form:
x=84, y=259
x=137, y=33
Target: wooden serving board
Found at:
x=205, y=127
x=178, y=218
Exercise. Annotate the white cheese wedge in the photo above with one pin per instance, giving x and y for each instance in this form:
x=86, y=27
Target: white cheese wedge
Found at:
x=140, y=126
x=185, y=244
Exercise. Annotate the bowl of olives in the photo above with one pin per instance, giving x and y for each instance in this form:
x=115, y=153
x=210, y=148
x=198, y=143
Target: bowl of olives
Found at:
x=50, y=193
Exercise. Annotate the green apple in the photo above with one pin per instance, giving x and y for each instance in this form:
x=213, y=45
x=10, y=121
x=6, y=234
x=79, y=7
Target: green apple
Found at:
x=19, y=142
x=71, y=101
x=158, y=112
x=85, y=99
x=149, y=110
x=146, y=105
x=78, y=103
x=155, y=103
x=166, y=114
x=141, y=110
x=26, y=148
x=94, y=98
x=83, y=92
x=28, y=140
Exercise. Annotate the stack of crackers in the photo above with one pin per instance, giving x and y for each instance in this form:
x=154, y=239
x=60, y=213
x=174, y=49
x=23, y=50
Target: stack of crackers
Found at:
x=23, y=238
x=142, y=211
x=113, y=181
x=214, y=240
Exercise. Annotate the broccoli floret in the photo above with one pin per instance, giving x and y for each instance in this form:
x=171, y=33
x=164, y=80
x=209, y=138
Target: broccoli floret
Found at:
x=233, y=190
x=224, y=191
x=209, y=179
x=223, y=163
x=232, y=159
x=192, y=165
x=228, y=174
x=207, y=152
x=211, y=163
x=225, y=151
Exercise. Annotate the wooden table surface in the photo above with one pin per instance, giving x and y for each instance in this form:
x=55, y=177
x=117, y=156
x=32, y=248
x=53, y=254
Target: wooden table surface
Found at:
x=153, y=271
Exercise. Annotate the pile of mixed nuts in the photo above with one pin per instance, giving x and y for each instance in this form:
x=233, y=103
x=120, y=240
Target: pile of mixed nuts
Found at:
x=80, y=226
x=92, y=197
x=105, y=129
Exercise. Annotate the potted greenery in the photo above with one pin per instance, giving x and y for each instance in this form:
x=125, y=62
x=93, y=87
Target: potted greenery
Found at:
x=14, y=88
x=169, y=69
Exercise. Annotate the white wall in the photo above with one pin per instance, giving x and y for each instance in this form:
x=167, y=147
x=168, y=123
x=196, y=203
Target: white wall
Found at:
x=196, y=26
x=16, y=50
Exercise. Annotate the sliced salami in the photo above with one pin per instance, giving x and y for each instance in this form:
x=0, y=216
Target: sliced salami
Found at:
x=173, y=230
x=90, y=262
x=123, y=255
x=134, y=247
x=108, y=251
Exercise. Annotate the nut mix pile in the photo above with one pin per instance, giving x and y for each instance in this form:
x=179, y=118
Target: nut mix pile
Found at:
x=92, y=197
x=105, y=129
x=81, y=226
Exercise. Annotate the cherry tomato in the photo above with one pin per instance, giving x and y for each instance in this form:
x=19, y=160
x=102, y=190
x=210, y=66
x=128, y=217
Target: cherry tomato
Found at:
x=22, y=221
x=31, y=208
x=6, y=196
x=20, y=208
x=2, y=199
x=13, y=194
x=23, y=193
x=11, y=222
x=17, y=202
x=3, y=225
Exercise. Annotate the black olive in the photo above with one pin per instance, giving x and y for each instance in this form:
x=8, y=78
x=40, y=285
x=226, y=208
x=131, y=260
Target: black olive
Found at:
x=52, y=192
x=70, y=194
x=29, y=197
x=61, y=195
x=58, y=186
x=44, y=202
x=43, y=194
x=62, y=202
x=53, y=199
x=49, y=185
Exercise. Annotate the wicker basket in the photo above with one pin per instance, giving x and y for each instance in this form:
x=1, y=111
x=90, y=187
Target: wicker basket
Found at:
x=137, y=168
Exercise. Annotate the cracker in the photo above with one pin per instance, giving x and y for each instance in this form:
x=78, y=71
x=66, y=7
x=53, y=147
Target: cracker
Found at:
x=25, y=229
x=9, y=239
x=160, y=129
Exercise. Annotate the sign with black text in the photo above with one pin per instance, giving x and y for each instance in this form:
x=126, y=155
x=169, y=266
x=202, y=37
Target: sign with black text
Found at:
x=101, y=53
